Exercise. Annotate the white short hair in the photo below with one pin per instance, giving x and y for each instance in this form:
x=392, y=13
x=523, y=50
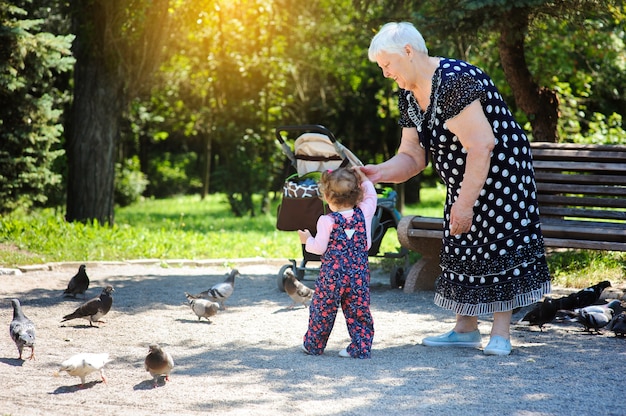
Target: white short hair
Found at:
x=393, y=37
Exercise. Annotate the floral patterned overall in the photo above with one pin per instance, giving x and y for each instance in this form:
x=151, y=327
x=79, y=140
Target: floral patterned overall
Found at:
x=344, y=280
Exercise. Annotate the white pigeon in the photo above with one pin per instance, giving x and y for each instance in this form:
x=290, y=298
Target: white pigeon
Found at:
x=297, y=291
x=83, y=364
x=220, y=291
x=203, y=308
x=158, y=362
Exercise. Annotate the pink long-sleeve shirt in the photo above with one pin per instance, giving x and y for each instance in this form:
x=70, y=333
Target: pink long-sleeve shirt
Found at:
x=319, y=243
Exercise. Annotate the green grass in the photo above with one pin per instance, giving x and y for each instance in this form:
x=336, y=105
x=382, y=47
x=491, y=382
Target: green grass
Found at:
x=190, y=228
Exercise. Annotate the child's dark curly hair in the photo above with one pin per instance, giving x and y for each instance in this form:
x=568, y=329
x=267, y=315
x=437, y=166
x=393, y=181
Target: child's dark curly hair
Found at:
x=341, y=186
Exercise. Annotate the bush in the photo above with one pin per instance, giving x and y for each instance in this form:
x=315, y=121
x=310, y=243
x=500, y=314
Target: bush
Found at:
x=169, y=174
x=130, y=182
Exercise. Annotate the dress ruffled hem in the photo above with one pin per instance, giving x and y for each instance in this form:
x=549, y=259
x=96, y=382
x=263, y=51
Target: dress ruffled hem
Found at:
x=518, y=301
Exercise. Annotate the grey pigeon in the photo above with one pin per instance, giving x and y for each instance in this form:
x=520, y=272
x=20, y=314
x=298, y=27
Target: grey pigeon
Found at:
x=95, y=308
x=83, y=364
x=618, y=324
x=158, y=362
x=595, y=317
x=542, y=313
x=297, y=291
x=78, y=284
x=203, y=308
x=220, y=291
x=22, y=330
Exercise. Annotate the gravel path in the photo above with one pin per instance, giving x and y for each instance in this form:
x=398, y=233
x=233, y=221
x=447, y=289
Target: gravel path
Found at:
x=248, y=360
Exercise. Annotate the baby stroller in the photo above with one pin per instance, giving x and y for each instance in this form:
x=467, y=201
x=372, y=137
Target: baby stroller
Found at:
x=315, y=151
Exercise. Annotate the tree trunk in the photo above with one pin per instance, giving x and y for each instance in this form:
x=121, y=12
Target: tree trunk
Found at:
x=208, y=154
x=94, y=125
x=539, y=104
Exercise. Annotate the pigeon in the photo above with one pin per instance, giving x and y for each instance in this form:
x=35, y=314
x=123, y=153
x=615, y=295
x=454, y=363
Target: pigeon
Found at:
x=543, y=313
x=78, y=284
x=220, y=291
x=595, y=317
x=95, y=308
x=584, y=297
x=297, y=291
x=83, y=364
x=22, y=330
x=203, y=308
x=618, y=324
x=158, y=362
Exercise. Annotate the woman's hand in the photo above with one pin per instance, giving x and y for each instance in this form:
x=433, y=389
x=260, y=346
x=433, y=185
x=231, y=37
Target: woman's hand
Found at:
x=460, y=218
x=370, y=172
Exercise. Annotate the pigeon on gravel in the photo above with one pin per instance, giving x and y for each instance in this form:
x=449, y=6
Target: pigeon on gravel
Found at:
x=618, y=325
x=22, y=330
x=203, y=308
x=584, y=297
x=95, y=308
x=83, y=364
x=595, y=317
x=158, y=362
x=297, y=291
x=542, y=313
x=78, y=284
x=220, y=291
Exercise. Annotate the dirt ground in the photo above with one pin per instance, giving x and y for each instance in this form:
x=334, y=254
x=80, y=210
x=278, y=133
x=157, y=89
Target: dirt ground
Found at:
x=248, y=361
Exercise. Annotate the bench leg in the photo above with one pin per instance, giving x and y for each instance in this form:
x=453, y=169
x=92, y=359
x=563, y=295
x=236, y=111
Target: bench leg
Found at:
x=422, y=275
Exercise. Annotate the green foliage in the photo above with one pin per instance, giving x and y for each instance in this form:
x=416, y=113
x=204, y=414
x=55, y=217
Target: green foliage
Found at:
x=170, y=174
x=582, y=268
x=577, y=126
x=130, y=182
x=30, y=107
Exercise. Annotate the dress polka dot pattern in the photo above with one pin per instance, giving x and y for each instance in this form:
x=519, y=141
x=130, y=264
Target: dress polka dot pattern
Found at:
x=500, y=263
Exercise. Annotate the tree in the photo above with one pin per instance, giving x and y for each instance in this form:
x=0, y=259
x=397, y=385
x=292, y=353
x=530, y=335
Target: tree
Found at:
x=511, y=21
x=117, y=47
x=30, y=105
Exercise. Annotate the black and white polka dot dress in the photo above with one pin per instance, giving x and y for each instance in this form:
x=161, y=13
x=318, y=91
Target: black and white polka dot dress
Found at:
x=500, y=263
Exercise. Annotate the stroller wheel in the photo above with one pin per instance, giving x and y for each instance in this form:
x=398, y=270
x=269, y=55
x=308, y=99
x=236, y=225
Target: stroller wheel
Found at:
x=280, y=281
x=397, y=279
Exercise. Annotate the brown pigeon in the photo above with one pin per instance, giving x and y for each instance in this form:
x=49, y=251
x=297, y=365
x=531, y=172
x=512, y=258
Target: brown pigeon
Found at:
x=220, y=291
x=95, y=308
x=78, y=284
x=203, y=308
x=297, y=291
x=22, y=330
x=158, y=362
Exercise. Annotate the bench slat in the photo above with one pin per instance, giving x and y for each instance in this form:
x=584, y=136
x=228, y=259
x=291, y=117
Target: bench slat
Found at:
x=553, y=177
x=584, y=244
x=581, y=189
x=579, y=167
x=548, y=211
x=567, y=151
x=573, y=230
x=578, y=155
x=580, y=201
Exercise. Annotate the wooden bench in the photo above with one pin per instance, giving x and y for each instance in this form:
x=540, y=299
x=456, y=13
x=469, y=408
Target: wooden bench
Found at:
x=582, y=204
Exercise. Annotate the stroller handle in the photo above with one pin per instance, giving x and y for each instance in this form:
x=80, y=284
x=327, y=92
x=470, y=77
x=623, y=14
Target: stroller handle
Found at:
x=313, y=128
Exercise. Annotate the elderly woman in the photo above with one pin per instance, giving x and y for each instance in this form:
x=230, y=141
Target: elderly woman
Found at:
x=493, y=257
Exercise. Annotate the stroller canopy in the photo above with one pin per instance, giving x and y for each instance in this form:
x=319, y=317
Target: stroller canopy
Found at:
x=315, y=152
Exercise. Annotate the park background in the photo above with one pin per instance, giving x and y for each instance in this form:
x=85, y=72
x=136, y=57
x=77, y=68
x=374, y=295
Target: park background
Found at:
x=145, y=128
